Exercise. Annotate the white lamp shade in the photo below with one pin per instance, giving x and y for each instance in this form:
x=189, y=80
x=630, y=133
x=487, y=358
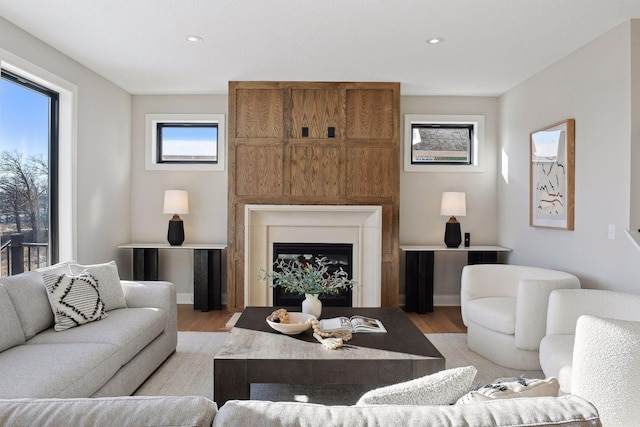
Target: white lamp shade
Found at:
x=176, y=202
x=453, y=204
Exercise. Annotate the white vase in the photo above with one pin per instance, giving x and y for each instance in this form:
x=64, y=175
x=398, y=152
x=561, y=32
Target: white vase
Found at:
x=312, y=305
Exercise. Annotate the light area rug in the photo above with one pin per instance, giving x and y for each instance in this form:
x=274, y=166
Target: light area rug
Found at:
x=189, y=372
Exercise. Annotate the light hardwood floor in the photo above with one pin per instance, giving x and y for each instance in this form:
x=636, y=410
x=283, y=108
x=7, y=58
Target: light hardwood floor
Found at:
x=441, y=320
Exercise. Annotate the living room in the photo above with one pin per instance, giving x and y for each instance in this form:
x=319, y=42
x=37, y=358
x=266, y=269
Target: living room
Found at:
x=115, y=200
x=119, y=201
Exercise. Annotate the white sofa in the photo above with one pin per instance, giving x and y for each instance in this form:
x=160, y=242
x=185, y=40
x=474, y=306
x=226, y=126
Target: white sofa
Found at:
x=198, y=411
x=565, y=307
x=108, y=357
x=606, y=358
x=505, y=308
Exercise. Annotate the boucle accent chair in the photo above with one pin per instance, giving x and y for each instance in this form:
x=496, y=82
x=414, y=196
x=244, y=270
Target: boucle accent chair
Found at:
x=565, y=307
x=505, y=309
x=606, y=357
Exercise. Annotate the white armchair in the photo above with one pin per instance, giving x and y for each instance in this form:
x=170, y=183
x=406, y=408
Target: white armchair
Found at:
x=505, y=309
x=565, y=307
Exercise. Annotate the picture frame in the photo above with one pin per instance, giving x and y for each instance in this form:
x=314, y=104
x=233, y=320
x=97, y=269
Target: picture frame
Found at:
x=551, y=176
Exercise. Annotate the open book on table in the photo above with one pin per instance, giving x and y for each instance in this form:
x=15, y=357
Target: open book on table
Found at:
x=354, y=324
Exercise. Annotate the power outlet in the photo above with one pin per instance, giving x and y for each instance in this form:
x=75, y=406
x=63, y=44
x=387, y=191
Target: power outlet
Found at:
x=612, y=232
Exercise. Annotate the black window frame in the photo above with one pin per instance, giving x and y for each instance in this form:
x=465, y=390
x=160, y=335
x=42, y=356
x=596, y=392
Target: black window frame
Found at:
x=53, y=156
x=159, y=142
x=467, y=126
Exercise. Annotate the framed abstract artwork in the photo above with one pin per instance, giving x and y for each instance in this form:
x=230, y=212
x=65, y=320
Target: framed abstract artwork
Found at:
x=551, y=176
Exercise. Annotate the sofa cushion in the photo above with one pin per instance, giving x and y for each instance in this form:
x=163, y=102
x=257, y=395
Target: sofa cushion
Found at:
x=56, y=370
x=129, y=329
x=75, y=300
x=11, y=333
x=29, y=298
x=510, y=388
x=108, y=280
x=124, y=411
x=537, y=411
x=495, y=313
x=441, y=388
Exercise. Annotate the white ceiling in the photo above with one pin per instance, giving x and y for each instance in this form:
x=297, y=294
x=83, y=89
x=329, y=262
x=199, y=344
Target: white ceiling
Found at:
x=490, y=45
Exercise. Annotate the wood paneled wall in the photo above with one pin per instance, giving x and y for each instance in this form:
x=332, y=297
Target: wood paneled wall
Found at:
x=272, y=160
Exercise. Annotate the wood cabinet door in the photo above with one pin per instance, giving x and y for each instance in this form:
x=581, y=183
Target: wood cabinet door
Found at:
x=370, y=114
x=259, y=113
x=317, y=110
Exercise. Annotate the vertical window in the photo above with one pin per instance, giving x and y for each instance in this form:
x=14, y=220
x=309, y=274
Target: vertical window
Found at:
x=28, y=173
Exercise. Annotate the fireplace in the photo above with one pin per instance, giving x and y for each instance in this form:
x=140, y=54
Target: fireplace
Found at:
x=339, y=255
x=356, y=225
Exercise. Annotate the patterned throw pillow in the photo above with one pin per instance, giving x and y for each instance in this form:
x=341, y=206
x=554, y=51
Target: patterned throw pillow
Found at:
x=75, y=300
x=108, y=280
x=510, y=388
x=441, y=388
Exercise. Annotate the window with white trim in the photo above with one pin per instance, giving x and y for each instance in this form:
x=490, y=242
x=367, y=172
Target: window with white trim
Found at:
x=185, y=142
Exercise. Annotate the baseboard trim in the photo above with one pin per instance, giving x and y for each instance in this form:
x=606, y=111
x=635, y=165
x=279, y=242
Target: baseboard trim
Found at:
x=187, y=298
x=438, y=300
x=443, y=300
x=184, y=298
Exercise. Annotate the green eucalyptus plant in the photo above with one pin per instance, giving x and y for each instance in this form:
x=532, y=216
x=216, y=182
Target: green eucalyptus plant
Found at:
x=303, y=277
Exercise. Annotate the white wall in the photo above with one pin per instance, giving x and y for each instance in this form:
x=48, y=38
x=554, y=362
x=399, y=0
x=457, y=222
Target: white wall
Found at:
x=593, y=86
x=634, y=215
x=421, y=192
x=207, y=218
x=103, y=140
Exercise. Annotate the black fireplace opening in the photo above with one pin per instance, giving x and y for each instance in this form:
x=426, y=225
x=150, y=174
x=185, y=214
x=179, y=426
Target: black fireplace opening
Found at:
x=340, y=255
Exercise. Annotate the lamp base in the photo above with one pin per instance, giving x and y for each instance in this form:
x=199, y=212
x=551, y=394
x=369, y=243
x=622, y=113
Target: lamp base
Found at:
x=175, y=234
x=452, y=234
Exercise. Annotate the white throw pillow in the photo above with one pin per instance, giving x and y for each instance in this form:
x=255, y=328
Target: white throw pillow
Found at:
x=441, y=388
x=75, y=300
x=108, y=280
x=512, y=388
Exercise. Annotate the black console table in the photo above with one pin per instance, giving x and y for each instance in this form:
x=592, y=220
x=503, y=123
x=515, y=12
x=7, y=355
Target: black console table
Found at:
x=207, y=269
x=419, y=271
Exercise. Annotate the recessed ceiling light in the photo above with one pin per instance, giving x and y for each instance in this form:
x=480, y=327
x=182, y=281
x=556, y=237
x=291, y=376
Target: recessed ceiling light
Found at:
x=194, y=38
x=435, y=40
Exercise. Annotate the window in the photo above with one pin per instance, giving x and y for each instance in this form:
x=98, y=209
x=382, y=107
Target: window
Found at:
x=443, y=143
x=185, y=142
x=28, y=171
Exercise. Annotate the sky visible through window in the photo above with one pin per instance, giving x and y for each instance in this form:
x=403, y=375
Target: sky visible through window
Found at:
x=24, y=120
x=190, y=143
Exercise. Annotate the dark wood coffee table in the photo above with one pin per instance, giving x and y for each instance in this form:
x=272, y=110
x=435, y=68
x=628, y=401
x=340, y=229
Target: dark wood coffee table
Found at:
x=255, y=353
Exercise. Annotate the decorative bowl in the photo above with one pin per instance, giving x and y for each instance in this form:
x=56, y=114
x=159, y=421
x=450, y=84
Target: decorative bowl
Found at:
x=298, y=324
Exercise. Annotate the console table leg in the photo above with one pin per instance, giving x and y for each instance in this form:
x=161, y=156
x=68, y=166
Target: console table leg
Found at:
x=482, y=257
x=207, y=282
x=145, y=264
x=419, y=281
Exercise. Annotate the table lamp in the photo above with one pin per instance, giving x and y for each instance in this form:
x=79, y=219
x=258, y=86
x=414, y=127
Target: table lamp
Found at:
x=176, y=202
x=453, y=203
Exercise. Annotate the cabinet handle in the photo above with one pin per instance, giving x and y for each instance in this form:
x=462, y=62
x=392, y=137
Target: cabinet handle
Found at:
x=331, y=132
x=305, y=132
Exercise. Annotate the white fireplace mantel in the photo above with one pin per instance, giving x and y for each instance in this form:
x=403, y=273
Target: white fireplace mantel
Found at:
x=358, y=225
